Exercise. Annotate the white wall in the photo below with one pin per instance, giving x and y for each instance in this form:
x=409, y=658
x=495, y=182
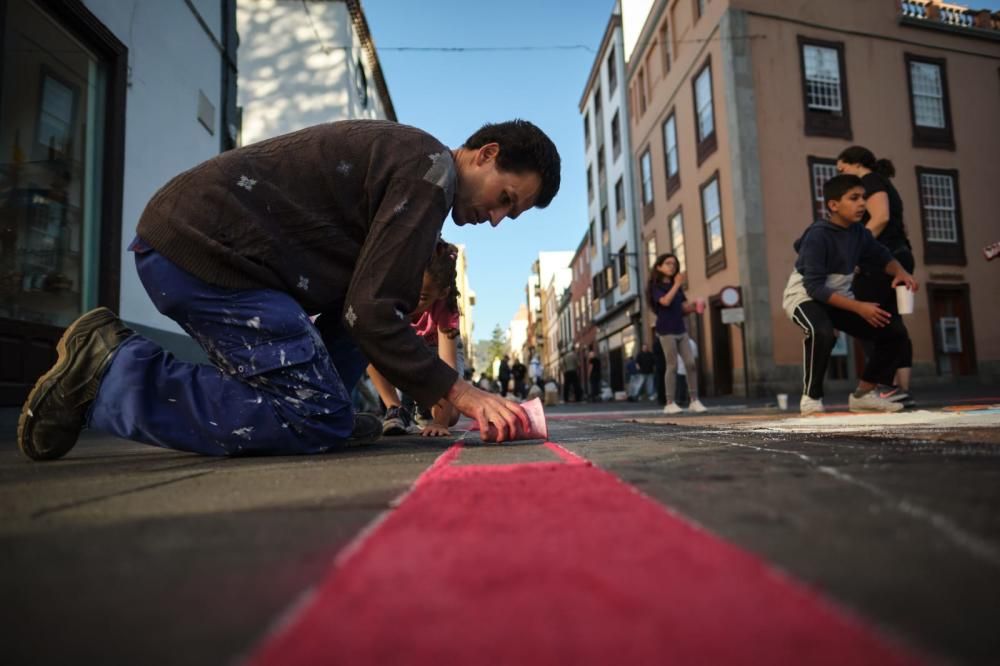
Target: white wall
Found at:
x=298, y=66
x=171, y=59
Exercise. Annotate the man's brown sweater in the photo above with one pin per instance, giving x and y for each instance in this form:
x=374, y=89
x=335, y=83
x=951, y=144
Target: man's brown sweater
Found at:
x=342, y=216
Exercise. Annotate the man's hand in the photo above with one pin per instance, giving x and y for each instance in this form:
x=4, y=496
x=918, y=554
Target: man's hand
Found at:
x=905, y=278
x=435, y=430
x=872, y=314
x=487, y=408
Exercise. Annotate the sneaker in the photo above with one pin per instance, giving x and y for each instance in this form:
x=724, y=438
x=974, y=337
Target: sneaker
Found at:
x=396, y=422
x=367, y=429
x=54, y=413
x=809, y=406
x=893, y=393
x=909, y=402
x=872, y=402
x=673, y=408
x=696, y=406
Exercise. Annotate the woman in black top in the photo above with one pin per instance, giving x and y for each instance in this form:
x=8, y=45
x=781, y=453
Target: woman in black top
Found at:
x=884, y=218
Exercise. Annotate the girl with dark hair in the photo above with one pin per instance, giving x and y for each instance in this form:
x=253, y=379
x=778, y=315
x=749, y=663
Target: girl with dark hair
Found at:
x=436, y=322
x=884, y=218
x=666, y=296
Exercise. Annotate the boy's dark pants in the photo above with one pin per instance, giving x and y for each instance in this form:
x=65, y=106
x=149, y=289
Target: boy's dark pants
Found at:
x=819, y=320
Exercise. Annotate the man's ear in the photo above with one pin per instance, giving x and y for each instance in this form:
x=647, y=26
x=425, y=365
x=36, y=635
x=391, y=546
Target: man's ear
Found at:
x=487, y=153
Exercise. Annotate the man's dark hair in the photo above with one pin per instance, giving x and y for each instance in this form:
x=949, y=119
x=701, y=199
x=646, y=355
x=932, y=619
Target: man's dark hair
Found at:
x=523, y=148
x=838, y=186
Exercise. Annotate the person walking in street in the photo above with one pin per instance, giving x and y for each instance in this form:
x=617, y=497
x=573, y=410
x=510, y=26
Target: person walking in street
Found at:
x=339, y=220
x=571, y=377
x=884, y=218
x=594, y=375
x=666, y=296
x=503, y=375
x=818, y=298
x=518, y=371
x=643, y=380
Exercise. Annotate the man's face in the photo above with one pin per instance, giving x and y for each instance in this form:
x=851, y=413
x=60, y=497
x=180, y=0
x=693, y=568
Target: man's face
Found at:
x=851, y=206
x=488, y=194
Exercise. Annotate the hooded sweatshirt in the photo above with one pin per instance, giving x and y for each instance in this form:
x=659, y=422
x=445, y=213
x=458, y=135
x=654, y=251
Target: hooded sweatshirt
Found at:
x=828, y=255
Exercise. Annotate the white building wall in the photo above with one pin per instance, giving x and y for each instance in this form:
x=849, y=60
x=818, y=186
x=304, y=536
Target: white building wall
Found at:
x=171, y=59
x=299, y=66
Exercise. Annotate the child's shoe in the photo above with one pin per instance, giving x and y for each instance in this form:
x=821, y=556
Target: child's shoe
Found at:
x=809, y=406
x=673, y=408
x=396, y=422
x=696, y=406
x=871, y=401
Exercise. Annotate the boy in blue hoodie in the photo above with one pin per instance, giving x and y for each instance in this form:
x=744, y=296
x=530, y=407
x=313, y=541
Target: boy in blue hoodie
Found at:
x=818, y=298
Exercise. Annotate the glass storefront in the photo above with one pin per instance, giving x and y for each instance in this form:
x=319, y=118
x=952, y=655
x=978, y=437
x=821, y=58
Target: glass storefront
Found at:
x=52, y=96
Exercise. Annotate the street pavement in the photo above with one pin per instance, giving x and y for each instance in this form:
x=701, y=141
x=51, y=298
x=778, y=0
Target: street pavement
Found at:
x=124, y=553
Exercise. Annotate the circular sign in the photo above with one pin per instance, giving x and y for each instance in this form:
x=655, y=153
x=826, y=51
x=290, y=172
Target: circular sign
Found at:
x=730, y=297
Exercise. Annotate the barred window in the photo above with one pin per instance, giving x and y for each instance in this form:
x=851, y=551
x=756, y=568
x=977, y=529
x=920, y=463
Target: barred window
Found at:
x=928, y=94
x=937, y=196
x=822, y=71
x=820, y=171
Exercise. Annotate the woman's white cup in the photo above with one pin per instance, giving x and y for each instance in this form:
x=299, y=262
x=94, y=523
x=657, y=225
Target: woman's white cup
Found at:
x=904, y=299
x=782, y=401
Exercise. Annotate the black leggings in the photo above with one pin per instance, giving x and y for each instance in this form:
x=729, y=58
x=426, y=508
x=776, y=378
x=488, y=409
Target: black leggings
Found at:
x=877, y=288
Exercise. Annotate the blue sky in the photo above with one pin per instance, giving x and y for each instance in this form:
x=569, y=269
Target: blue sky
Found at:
x=450, y=94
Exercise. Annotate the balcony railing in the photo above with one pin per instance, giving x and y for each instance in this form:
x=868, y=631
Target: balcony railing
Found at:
x=949, y=15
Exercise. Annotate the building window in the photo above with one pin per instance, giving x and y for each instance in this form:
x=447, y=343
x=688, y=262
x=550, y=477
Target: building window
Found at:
x=361, y=81
x=623, y=279
x=646, y=172
x=941, y=216
x=820, y=170
x=671, y=160
x=590, y=237
x=929, y=108
x=616, y=137
x=824, y=88
x=600, y=161
x=642, y=91
x=586, y=129
x=677, y=238
x=590, y=184
x=711, y=215
x=699, y=8
x=665, y=46
x=604, y=225
x=704, y=113
x=598, y=110
x=612, y=71
x=620, y=200
x=651, y=251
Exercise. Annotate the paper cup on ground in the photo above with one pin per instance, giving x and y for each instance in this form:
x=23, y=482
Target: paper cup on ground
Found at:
x=537, y=428
x=782, y=401
x=904, y=299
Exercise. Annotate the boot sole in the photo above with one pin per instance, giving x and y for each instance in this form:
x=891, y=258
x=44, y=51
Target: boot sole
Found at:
x=44, y=385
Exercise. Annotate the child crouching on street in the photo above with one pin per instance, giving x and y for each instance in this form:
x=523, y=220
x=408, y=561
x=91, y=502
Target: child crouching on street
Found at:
x=818, y=298
x=436, y=321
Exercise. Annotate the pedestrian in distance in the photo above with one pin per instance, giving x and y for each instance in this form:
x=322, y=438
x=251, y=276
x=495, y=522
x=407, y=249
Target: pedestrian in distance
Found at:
x=571, y=377
x=643, y=381
x=818, y=298
x=503, y=375
x=518, y=371
x=337, y=220
x=436, y=321
x=884, y=218
x=594, y=375
x=665, y=292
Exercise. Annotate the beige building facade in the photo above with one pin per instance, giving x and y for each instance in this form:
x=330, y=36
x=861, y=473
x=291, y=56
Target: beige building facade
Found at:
x=738, y=110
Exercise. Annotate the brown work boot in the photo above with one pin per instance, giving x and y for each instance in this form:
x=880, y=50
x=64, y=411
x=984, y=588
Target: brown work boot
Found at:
x=53, y=414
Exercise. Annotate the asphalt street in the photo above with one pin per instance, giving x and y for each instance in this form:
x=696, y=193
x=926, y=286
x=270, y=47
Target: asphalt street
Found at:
x=124, y=553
